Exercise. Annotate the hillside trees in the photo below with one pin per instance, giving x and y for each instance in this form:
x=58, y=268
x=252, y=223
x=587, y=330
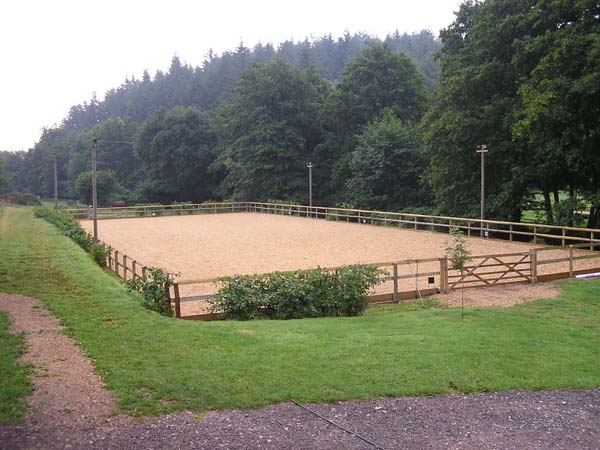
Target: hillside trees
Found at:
x=175, y=149
x=268, y=130
x=3, y=175
x=522, y=77
x=378, y=81
x=106, y=187
x=476, y=103
x=562, y=97
x=386, y=166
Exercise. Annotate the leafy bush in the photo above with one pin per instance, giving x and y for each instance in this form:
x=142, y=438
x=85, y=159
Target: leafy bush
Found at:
x=71, y=228
x=155, y=290
x=22, y=198
x=99, y=252
x=293, y=295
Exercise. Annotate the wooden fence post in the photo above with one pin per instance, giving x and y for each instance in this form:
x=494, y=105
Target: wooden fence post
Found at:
x=444, y=274
x=133, y=263
x=535, y=234
x=110, y=257
x=125, y=267
x=117, y=262
x=395, y=270
x=177, y=300
x=571, y=261
x=591, y=241
x=511, y=232
x=533, y=262
x=144, y=274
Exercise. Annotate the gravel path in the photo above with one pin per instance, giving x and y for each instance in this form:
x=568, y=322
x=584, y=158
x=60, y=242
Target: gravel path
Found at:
x=72, y=410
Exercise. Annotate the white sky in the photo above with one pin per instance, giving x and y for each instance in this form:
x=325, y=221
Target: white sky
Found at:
x=55, y=54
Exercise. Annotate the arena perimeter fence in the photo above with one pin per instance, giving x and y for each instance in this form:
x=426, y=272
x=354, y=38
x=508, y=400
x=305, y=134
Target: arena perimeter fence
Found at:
x=427, y=275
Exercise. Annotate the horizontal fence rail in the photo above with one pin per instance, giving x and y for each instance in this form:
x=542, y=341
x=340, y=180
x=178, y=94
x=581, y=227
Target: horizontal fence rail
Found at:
x=536, y=233
x=406, y=279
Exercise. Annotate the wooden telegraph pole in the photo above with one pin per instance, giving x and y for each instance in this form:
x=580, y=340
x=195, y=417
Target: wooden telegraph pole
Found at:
x=482, y=149
x=55, y=183
x=94, y=196
x=310, y=166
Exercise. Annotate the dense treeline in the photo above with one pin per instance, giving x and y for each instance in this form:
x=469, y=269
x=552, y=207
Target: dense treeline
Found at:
x=385, y=125
x=193, y=133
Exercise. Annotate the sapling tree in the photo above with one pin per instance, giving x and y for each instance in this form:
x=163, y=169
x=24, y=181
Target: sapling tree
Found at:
x=459, y=255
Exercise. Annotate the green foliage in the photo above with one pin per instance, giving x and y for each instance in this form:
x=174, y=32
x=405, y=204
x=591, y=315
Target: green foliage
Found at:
x=294, y=295
x=107, y=186
x=457, y=251
x=100, y=253
x=268, y=131
x=386, y=166
x=71, y=228
x=3, y=177
x=14, y=384
x=521, y=77
x=67, y=225
x=175, y=149
x=154, y=290
x=21, y=198
x=380, y=80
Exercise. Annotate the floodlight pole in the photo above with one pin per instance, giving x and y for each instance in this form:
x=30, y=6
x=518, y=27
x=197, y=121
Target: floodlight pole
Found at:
x=55, y=183
x=482, y=149
x=94, y=196
x=310, y=166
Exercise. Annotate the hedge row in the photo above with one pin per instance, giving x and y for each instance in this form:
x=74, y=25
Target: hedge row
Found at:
x=293, y=295
x=71, y=228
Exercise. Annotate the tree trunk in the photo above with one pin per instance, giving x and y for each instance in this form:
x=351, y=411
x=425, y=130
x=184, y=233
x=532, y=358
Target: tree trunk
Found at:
x=594, y=218
x=556, y=198
x=548, y=207
x=571, y=205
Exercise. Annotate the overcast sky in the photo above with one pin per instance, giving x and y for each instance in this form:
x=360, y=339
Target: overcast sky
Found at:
x=57, y=53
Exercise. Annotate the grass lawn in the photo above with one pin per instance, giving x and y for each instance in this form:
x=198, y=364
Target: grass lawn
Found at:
x=156, y=364
x=14, y=384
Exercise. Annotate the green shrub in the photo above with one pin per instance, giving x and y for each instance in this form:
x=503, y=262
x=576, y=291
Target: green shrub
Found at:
x=155, y=290
x=71, y=228
x=294, y=295
x=100, y=253
x=22, y=198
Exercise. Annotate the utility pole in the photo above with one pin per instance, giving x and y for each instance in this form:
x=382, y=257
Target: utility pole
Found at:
x=310, y=166
x=482, y=149
x=55, y=183
x=94, y=196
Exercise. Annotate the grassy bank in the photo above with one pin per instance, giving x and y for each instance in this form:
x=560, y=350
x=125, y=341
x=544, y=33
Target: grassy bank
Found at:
x=156, y=364
x=14, y=384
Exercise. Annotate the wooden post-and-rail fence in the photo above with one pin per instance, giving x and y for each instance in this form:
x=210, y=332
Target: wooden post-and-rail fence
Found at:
x=535, y=233
x=486, y=270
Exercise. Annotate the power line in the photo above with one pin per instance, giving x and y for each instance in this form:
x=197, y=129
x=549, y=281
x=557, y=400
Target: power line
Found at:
x=362, y=438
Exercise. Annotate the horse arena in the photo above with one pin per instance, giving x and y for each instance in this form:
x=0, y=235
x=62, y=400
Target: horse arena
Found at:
x=214, y=245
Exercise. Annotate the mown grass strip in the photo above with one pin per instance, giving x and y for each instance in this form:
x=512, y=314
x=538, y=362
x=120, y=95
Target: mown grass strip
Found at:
x=14, y=383
x=157, y=364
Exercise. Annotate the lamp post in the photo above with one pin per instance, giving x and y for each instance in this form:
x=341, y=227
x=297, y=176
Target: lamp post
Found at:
x=310, y=166
x=94, y=196
x=482, y=149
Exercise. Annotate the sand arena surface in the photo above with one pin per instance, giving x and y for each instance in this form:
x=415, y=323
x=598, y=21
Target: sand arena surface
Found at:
x=209, y=246
x=206, y=246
